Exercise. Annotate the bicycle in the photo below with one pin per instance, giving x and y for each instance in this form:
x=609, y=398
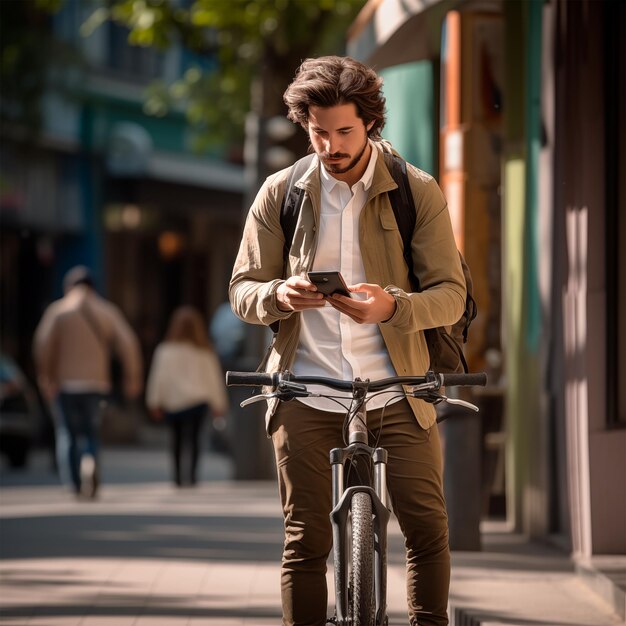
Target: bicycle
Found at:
x=360, y=513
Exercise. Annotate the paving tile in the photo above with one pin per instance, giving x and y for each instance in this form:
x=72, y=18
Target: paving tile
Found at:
x=157, y=620
x=109, y=620
x=63, y=620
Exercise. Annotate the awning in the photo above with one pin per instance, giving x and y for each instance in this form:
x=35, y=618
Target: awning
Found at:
x=392, y=32
x=192, y=170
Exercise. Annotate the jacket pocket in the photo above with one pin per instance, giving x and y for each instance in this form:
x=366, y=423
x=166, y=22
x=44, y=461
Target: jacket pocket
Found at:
x=388, y=219
x=396, y=270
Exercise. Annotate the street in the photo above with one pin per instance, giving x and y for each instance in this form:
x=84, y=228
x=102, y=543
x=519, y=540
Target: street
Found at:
x=147, y=554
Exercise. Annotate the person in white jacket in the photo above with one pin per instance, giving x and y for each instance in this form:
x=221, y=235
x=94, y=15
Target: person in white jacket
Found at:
x=185, y=384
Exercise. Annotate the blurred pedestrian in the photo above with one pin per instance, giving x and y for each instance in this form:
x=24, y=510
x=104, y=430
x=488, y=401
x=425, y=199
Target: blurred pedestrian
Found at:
x=74, y=344
x=185, y=385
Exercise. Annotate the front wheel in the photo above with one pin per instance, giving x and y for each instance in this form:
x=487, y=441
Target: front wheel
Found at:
x=362, y=609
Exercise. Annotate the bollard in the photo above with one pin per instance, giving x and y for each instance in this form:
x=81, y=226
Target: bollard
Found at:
x=461, y=439
x=252, y=453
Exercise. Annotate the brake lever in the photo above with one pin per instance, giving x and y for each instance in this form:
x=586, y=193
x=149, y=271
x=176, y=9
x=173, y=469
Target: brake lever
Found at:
x=288, y=391
x=464, y=403
x=257, y=398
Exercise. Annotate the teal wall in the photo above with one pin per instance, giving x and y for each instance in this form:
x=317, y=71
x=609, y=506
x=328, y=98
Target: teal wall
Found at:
x=410, y=127
x=526, y=453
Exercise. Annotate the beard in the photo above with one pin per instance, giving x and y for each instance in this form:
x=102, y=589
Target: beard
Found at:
x=335, y=169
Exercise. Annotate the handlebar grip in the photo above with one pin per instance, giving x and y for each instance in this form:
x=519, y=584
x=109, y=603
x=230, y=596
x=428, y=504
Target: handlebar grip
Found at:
x=252, y=379
x=464, y=380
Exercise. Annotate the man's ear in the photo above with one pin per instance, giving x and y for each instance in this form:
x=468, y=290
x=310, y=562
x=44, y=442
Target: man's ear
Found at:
x=369, y=126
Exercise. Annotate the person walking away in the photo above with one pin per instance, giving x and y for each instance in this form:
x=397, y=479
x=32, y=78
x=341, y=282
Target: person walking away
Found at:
x=73, y=346
x=346, y=223
x=185, y=384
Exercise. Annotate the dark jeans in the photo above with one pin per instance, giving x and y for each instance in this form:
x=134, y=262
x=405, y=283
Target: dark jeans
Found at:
x=302, y=438
x=186, y=426
x=78, y=430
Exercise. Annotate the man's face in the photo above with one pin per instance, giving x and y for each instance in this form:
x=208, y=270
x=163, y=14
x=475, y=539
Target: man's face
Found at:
x=339, y=137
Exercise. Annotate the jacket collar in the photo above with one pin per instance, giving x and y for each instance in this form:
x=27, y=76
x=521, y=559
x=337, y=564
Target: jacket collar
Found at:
x=383, y=181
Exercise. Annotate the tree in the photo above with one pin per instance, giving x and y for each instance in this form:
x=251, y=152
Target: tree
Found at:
x=246, y=52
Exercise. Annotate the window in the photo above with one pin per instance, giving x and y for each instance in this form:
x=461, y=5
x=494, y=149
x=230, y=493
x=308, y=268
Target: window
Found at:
x=132, y=61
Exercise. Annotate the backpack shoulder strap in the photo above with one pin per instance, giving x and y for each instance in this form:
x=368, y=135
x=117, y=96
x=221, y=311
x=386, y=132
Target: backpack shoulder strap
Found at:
x=403, y=208
x=292, y=200
x=290, y=208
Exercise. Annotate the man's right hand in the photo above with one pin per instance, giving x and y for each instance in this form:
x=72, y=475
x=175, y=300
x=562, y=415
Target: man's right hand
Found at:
x=298, y=294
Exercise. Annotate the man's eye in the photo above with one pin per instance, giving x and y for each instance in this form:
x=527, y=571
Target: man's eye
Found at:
x=345, y=132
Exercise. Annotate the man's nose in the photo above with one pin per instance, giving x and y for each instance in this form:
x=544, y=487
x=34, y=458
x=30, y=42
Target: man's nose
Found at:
x=332, y=144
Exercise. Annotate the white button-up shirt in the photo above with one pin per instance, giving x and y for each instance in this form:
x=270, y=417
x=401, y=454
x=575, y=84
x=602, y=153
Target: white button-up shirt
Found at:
x=331, y=344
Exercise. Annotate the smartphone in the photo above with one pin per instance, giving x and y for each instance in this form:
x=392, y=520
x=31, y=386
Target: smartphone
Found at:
x=329, y=283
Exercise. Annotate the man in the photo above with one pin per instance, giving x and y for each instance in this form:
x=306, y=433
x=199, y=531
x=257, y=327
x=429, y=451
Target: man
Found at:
x=73, y=345
x=347, y=223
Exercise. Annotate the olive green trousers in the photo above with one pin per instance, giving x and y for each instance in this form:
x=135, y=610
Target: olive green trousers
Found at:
x=302, y=439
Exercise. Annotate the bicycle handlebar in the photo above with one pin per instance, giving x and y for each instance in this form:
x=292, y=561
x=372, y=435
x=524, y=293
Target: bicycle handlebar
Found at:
x=472, y=379
x=252, y=379
x=273, y=379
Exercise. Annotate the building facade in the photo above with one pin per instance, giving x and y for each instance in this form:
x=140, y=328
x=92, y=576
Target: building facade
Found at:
x=530, y=112
x=106, y=184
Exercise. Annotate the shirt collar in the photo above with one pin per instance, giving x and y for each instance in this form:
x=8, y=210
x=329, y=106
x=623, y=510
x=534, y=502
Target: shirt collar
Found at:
x=329, y=182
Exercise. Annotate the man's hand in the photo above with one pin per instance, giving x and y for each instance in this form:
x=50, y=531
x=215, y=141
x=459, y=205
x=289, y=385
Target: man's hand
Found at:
x=298, y=294
x=378, y=307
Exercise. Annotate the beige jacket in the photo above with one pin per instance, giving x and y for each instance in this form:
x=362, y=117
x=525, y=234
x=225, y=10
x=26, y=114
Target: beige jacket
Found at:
x=69, y=354
x=259, y=270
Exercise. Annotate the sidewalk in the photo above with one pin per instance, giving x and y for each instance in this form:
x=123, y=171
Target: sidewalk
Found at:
x=513, y=581
x=147, y=554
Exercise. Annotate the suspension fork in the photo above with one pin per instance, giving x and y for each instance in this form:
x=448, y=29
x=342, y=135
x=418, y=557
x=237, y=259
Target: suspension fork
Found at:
x=338, y=458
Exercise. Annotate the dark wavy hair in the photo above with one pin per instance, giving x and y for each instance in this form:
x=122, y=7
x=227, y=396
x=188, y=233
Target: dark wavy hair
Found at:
x=330, y=81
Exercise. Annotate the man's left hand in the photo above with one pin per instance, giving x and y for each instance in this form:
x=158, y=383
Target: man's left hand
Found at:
x=379, y=306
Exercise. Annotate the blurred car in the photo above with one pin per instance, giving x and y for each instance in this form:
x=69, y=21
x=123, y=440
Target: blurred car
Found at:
x=19, y=413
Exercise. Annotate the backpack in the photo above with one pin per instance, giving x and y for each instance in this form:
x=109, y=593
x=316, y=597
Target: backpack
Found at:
x=445, y=344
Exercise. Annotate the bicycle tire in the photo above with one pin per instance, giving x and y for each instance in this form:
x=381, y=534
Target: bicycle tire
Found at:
x=362, y=607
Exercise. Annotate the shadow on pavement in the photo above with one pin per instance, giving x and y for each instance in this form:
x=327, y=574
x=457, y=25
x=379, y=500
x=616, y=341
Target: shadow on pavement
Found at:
x=121, y=606
x=215, y=538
